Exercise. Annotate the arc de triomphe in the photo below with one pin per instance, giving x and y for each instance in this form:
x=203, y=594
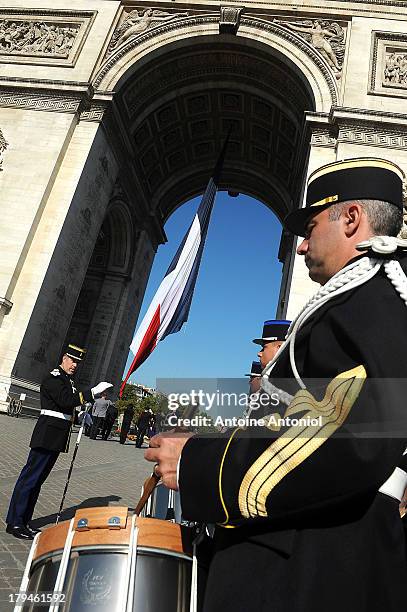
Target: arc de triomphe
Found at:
x=111, y=116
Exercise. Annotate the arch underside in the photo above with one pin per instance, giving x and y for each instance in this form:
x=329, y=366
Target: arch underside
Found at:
x=177, y=104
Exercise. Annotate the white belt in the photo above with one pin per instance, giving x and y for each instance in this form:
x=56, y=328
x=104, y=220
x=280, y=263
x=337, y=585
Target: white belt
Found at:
x=57, y=415
x=395, y=485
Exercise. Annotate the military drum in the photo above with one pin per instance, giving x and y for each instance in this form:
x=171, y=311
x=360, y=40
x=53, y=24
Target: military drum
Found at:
x=108, y=559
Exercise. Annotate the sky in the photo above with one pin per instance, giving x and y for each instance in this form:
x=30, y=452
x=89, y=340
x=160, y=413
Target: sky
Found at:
x=236, y=291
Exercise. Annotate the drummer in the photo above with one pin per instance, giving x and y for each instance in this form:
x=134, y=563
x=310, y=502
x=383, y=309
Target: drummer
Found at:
x=309, y=522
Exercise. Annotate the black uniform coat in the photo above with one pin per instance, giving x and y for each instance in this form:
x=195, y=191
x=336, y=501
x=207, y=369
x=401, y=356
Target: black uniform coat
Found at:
x=301, y=526
x=57, y=393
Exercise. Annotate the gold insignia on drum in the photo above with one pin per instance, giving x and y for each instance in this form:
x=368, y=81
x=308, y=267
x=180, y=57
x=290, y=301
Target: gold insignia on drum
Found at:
x=95, y=587
x=298, y=442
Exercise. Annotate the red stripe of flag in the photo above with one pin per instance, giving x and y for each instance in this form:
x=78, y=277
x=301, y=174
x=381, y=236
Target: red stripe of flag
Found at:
x=146, y=347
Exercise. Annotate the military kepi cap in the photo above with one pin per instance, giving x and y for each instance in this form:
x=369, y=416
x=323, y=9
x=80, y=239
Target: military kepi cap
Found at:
x=255, y=370
x=273, y=330
x=75, y=352
x=363, y=178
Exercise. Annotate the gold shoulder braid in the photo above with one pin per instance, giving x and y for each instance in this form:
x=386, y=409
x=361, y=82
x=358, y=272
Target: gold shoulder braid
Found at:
x=300, y=441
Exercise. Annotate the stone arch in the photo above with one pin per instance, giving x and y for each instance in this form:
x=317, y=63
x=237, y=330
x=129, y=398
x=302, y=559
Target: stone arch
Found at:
x=298, y=53
x=104, y=288
x=175, y=90
x=121, y=224
x=268, y=148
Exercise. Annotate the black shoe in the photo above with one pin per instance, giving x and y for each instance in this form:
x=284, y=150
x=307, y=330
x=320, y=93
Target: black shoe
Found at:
x=20, y=531
x=33, y=530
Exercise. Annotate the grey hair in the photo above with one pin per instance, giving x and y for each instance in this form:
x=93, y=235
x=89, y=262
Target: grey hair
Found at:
x=385, y=219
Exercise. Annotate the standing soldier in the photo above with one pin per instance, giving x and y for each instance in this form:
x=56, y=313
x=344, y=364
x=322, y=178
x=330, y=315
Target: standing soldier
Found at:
x=143, y=423
x=273, y=336
x=51, y=436
x=255, y=377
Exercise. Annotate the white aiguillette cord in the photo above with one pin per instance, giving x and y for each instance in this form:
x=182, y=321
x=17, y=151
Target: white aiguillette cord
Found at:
x=350, y=277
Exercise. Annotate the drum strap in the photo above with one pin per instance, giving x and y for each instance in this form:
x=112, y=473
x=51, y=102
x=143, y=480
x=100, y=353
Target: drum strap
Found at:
x=26, y=576
x=193, y=604
x=63, y=566
x=131, y=566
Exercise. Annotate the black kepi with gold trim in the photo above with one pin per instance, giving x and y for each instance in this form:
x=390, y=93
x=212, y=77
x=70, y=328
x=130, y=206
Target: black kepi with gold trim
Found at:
x=362, y=178
x=75, y=352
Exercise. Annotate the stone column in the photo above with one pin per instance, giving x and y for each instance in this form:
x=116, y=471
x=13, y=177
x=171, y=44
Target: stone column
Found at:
x=323, y=151
x=48, y=279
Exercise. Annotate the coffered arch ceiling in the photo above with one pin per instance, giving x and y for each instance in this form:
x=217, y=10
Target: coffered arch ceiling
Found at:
x=178, y=105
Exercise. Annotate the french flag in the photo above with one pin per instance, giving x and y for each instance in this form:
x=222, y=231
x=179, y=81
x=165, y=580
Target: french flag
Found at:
x=170, y=306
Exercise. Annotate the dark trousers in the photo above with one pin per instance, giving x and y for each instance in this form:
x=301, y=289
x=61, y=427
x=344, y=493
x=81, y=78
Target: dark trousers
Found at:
x=27, y=488
x=124, y=431
x=107, y=428
x=140, y=435
x=97, y=422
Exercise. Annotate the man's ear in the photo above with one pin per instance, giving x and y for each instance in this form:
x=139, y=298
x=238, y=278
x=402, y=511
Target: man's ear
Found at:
x=352, y=217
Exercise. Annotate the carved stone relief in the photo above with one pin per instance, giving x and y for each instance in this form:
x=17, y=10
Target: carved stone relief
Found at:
x=50, y=37
x=395, y=68
x=137, y=21
x=37, y=38
x=327, y=37
x=403, y=231
x=388, y=64
x=3, y=147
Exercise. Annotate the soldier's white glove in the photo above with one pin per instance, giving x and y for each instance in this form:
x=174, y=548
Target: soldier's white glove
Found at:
x=102, y=386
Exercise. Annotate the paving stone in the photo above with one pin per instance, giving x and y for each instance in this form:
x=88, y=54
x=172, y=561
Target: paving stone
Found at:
x=105, y=473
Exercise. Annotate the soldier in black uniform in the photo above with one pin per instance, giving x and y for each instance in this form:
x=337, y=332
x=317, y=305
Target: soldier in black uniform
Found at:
x=145, y=420
x=254, y=377
x=273, y=336
x=51, y=436
x=307, y=516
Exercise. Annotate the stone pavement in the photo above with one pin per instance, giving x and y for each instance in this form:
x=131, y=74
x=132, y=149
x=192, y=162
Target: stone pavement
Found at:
x=105, y=473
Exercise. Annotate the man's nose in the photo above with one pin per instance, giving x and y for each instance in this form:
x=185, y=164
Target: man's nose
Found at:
x=303, y=247
x=259, y=354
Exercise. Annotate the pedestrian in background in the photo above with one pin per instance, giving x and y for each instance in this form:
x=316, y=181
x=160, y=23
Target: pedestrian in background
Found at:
x=127, y=419
x=98, y=414
x=111, y=416
x=85, y=419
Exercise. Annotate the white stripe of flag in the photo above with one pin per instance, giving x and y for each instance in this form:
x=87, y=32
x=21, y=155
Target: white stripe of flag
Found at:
x=170, y=306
